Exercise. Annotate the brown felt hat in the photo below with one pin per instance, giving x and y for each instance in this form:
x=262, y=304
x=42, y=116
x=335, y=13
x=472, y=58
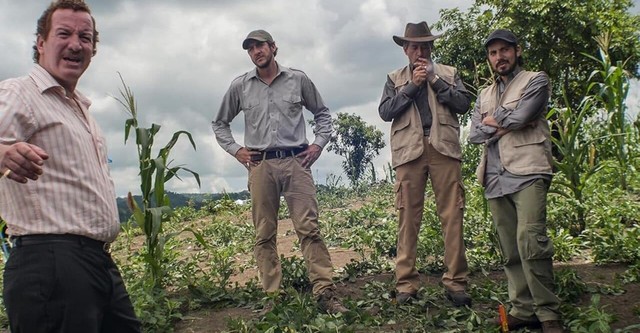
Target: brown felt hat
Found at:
x=416, y=32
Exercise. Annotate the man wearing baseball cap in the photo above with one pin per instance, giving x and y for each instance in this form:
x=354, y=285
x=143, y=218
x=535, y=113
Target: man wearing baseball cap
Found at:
x=422, y=100
x=515, y=170
x=278, y=158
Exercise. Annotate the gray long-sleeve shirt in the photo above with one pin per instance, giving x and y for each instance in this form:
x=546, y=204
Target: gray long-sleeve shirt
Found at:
x=499, y=181
x=272, y=113
x=392, y=104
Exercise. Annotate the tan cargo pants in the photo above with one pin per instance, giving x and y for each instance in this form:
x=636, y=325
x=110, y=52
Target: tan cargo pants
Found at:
x=446, y=178
x=286, y=177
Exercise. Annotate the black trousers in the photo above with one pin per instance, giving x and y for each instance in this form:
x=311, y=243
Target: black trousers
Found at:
x=65, y=284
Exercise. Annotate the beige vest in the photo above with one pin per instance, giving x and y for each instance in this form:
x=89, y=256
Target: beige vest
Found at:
x=406, y=130
x=527, y=150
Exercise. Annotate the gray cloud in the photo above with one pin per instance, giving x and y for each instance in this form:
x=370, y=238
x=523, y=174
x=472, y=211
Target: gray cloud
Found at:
x=179, y=57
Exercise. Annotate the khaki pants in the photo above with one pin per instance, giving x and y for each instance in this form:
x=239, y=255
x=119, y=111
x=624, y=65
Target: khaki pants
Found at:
x=267, y=182
x=446, y=179
x=521, y=221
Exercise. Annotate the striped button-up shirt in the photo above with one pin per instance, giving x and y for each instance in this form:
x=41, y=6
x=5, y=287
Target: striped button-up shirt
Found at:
x=75, y=194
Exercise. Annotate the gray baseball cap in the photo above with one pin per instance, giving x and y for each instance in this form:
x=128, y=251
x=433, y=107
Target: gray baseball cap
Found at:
x=502, y=34
x=258, y=35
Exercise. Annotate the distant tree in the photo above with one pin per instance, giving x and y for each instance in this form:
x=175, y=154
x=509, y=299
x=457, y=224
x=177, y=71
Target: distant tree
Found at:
x=553, y=34
x=357, y=142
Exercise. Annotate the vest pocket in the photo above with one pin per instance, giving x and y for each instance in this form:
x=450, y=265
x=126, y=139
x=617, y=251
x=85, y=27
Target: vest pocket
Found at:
x=449, y=129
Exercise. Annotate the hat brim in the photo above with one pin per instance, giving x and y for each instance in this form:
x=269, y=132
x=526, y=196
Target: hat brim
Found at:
x=493, y=39
x=400, y=40
x=245, y=43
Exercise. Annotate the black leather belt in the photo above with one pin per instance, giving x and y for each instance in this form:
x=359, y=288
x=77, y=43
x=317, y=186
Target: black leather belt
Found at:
x=277, y=153
x=27, y=240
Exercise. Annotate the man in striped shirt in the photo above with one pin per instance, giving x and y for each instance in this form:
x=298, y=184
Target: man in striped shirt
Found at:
x=57, y=195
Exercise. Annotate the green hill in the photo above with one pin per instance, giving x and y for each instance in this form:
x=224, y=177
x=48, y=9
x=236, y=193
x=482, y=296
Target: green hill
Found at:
x=195, y=200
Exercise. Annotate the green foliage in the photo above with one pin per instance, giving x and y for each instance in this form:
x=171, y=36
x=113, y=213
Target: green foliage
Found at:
x=592, y=319
x=333, y=194
x=224, y=204
x=611, y=86
x=294, y=273
x=578, y=161
x=551, y=33
x=156, y=311
x=154, y=173
x=569, y=286
x=295, y=312
x=357, y=142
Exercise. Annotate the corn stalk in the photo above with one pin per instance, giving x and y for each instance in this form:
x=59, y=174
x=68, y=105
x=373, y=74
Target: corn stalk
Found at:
x=610, y=85
x=578, y=161
x=154, y=173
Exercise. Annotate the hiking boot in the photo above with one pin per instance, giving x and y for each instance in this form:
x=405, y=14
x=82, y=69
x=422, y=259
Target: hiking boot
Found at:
x=552, y=326
x=329, y=303
x=514, y=323
x=458, y=298
x=405, y=298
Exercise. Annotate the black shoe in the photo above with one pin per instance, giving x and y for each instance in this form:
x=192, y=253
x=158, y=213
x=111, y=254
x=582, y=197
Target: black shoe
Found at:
x=517, y=323
x=405, y=298
x=458, y=298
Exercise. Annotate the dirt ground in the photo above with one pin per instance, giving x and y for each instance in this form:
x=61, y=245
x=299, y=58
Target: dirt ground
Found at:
x=622, y=306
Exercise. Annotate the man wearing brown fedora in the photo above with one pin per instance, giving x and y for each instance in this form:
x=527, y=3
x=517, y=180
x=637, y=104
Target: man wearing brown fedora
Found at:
x=422, y=100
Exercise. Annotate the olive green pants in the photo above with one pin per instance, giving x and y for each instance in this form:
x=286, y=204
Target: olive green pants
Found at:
x=446, y=180
x=521, y=221
x=286, y=177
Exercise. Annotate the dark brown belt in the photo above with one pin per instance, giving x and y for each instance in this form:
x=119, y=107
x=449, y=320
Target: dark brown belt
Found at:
x=42, y=239
x=277, y=153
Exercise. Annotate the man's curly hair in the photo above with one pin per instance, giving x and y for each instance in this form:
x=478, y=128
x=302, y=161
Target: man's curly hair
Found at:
x=44, y=22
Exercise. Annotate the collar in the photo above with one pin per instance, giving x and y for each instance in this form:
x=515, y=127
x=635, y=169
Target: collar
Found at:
x=510, y=77
x=44, y=81
x=280, y=70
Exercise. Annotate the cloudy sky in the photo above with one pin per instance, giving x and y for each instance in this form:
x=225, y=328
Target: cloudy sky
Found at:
x=179, y=58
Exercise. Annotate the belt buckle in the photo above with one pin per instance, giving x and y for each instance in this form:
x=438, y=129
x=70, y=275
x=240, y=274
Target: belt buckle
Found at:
x=281, y=154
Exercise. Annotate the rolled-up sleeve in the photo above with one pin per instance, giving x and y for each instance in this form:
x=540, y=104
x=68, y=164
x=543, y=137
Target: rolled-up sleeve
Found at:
x=229, y=109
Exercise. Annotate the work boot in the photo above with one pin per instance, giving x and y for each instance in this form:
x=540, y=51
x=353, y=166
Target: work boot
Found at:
x=552, y=326
x=458, y=298
x=329, y=303
x=515, y=324
x=405, y=298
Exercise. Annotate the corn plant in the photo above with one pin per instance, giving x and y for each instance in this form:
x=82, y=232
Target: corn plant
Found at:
x=610, y=85
x=578, y=163
x=154, y=173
